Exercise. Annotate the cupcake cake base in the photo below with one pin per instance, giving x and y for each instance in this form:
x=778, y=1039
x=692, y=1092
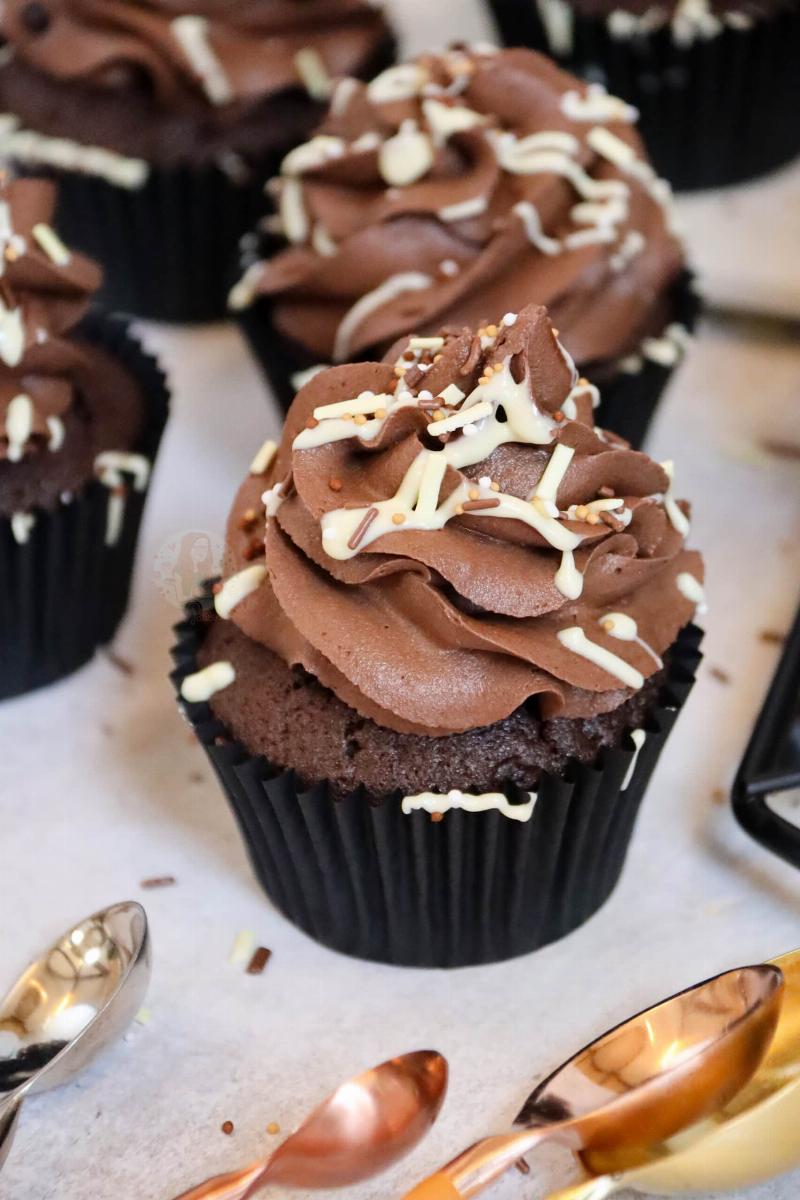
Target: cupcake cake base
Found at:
x=378, y=878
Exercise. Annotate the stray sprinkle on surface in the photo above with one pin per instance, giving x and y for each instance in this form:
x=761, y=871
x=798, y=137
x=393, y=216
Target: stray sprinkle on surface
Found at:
x=273, y=1128
x=522, y=1166
x=718, y=674
x=259, y=960
x=143, y=1016
x=158, y=881
x=242, y=949
x=772, y=637
x=227, y=1127
x=436, y=817
x=719, y=796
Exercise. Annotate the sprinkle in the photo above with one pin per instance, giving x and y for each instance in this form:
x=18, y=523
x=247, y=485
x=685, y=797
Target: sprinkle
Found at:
x=259, y=961
x=248, y=519
x=451, y=395
x=425, y=343
x=494, y=486
x=491, y=331
x=593, y=519
x=581, y=512
x=474, y=494
x=227, y=1127
x=242, y=948
x=360, y=419
x=380, y=413
x=273, y=1128
x=363, y=525
x=335, y=485
x=510, y=319
x=772, y=637
x=398, y=518
x=158, y=881
x=312, y=423
x=558, y=416
x=51, y=243
x=254, y=550
x=718, y=674
x=465, y=416
x=479, y=505
x=606, y=492
x=436, y=817
x=611, y=521
x=143, y=1016
x=718, y=796
x=264, y=457
x=522, y=1166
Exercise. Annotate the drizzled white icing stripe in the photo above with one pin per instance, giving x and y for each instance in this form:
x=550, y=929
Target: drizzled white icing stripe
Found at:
x=192, y=35
x=405, y=157
x=402, y=82
x=238, y=588
x=596, y=105
x=264, y=458
x=12, y=335
x=442, y=802
x=36, y=148
x=638, y=737
x=202, y=685
x=56, y=429
x=677, y=517
x=19, y=425
x=125, y=460
x=621, y=626
x=464, y=210
x=22, y=524
x=693, y=590
x=314, y=74
x=575, y=639
x=390, y=289
x=51, y=243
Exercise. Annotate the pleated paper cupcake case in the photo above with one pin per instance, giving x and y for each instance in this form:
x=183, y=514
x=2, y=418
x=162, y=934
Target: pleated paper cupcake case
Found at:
x=369, y=881
x=720, y=111
x=64, y=590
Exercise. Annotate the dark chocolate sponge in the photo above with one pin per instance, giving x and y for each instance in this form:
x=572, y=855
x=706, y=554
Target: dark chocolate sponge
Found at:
x=107, y=414
x=288, y=716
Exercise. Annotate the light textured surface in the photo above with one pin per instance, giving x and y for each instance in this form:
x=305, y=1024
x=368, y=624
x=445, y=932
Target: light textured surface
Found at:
x=101, y=785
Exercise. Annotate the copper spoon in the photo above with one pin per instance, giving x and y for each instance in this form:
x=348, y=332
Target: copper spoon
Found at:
x=637, y=1085
x=69, y=1005
x=751, y=1139
x=363, y=1128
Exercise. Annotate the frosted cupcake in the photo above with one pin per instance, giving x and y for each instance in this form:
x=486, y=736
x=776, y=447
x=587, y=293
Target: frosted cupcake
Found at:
x=714, y=81
x=163, y=118
x=454, y=634
x=82, y=409
x=457, y=186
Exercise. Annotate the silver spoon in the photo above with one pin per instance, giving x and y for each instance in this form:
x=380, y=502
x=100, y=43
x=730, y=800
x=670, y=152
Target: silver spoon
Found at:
x=69, y=1005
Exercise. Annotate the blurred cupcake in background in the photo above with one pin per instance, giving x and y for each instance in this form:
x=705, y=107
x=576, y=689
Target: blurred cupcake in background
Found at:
x=715, y=81
x=82, y=409
x=161, y=119
x=461, y=185
x=453, y=635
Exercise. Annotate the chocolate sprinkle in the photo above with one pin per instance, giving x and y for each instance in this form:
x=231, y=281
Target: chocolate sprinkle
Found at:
x=259, y=961
x=363, y=525
x=158, y=881
x=227, y=1127
x=718, y=674
x=478, y=505
x=772, y=637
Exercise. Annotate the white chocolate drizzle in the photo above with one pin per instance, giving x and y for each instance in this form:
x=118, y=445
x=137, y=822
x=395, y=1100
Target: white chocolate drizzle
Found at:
x=678, y=518
x=624, y=628
x=464, y=210
x=109, y=467
x=29, y=147
x=264, y=458
x=202, y=685
x=402, y=82
x=55, y=428
x=192, y=35
x=12, y=335
x=406, y=157
x=596, y=105
x=442, y=802
x=692, y=590
x=558, y=20
x=51, y=244
x=19, y=425
x=238, y=587
x=22, y=524
x=313, y=73
x=390, y=289
x=125, y=460
x=638, y=737
x=575, y=639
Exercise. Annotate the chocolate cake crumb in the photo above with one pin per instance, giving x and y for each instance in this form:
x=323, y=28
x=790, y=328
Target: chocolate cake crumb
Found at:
x=227, y=1127
x=259, y=961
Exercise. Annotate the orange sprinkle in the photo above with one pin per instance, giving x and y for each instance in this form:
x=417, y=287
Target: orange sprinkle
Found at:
x=335, y=485
x=474, y=493
x=495, y=486
x=436, y=817
x=312, y=423
x=558, y=415
x=398, y=518
x=380, y=412
x=491, y=331
x=227, y=1127
x=593, y=519
x=273, y=1128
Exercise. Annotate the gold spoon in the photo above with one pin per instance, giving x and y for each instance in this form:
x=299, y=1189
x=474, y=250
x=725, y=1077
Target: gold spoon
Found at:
x=754, y=1137
x=639, y=1084
x=363, y=1128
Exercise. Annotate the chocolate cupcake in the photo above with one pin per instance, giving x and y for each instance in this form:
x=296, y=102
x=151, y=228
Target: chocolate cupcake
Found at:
x=452, y=638
x=715, y=81
x=459, y=185
x=81, y=414
x=162, y=119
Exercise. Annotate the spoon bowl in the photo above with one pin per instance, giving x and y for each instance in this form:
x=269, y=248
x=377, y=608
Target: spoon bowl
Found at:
x=642, y=1082
x=69, y=1005
x=750, y=1139
x=364, y=1127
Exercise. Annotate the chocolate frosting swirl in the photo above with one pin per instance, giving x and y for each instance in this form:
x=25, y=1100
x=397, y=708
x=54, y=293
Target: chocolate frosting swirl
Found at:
x=44, y=290
x=462, y=183
x=230, y=55
x=434, y=580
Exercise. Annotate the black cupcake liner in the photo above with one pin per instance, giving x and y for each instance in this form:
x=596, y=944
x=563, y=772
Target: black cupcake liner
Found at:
x=629, y=395
x=719, y=111
x=64, y=591
x=365, y=879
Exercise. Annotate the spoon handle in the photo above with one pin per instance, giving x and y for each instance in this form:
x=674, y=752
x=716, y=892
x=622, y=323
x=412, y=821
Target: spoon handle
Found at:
x=236, y=1185
x=477, y=1167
